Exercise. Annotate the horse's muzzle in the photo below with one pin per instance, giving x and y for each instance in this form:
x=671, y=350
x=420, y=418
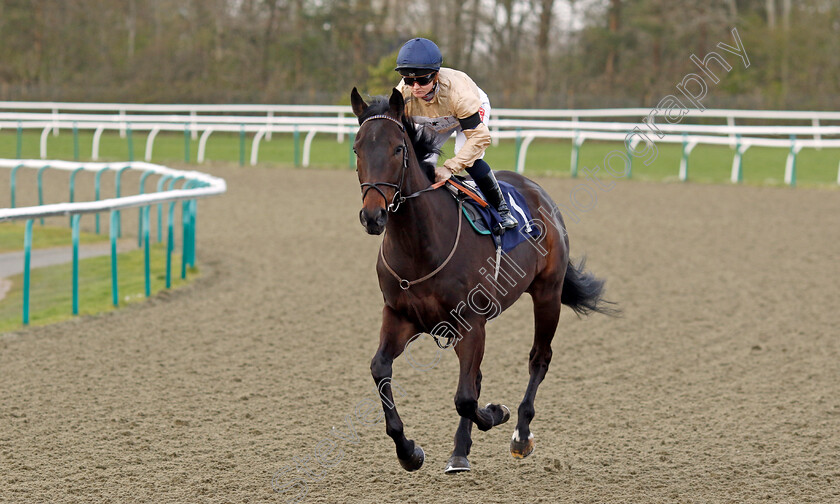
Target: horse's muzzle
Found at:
x=374, y=220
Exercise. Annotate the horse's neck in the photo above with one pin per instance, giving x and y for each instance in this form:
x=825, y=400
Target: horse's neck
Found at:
x=418, y=228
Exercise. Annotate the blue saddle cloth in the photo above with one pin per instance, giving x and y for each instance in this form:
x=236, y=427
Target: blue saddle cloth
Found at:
x=484, y=219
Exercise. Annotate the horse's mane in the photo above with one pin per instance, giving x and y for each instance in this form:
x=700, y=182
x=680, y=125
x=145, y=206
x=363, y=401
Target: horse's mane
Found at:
x=422, y=142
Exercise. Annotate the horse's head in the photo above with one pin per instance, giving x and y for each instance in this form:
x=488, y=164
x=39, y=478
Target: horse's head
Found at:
x=381, y=159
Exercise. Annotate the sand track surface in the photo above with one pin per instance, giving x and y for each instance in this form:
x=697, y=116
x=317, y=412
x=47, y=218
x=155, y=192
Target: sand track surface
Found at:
x=720, y=383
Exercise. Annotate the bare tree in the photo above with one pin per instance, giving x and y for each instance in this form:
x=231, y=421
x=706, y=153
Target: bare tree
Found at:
x=613, y=26
x=475, y=16
x=541, y=72
x=770, y=7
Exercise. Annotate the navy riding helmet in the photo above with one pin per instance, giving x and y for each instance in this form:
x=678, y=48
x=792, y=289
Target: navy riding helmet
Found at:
x=418, y=56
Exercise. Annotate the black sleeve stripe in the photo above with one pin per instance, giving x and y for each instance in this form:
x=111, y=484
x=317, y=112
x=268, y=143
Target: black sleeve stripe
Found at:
x=470, y=122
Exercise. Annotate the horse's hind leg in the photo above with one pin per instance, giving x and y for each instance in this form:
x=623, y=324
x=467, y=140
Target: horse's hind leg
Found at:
x=394, y=335
x=546, y=315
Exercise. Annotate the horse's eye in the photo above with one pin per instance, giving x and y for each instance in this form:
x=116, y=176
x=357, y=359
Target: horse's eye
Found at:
x=398, y=150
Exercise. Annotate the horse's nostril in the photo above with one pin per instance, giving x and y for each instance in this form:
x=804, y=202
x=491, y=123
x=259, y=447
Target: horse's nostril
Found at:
x=373, y=219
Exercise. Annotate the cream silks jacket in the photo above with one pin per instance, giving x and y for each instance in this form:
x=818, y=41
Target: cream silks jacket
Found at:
x=457, y=97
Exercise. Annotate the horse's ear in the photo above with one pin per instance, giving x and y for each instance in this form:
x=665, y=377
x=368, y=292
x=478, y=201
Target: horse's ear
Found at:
x=359, y=105
x=397, y=104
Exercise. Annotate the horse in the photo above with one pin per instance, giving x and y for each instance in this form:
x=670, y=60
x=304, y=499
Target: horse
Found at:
x=431, y=286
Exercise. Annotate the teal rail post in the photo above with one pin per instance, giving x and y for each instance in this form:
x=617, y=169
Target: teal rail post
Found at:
x=190, y=242
x=171, y=211
x=175, y=181
x=170, y=244
x=115, y=289
x=630, y=164
x=575, y=155
x=19, y=142
x=27, y=256
x=73, y=186
x=738, y=161
x=75, y=141
x=160, y=185
x=118, y=184
x=793, y=161
x=130, y=143
x=296, y=136
x=185, y=224
x=189, y=207
x=97, y=180
x=140, y=213
x=241, y=145
x=352, y=155
x=186, y=143
x=186, y=233
x=145, y=211
x=41, y=187
x=684, y=160
x=193, y=214
x=193, y=229
x=13, y=178
x=74, y=223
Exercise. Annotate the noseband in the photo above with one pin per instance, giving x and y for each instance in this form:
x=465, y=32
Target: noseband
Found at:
x=398, y=199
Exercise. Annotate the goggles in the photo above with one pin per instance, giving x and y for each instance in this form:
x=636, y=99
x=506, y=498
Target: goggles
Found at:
x=422, y=80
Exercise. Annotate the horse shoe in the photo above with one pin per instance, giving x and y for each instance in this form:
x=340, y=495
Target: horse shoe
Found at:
x=457, y=464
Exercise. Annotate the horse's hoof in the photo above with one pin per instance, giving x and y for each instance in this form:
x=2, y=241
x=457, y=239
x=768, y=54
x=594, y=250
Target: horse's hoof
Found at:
x=506, y=415
x=505, y=412
x=457, y=464
x=521, y=448
x=415, y=461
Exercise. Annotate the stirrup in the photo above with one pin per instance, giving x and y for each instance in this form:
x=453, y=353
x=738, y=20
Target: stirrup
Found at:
x=507, y=222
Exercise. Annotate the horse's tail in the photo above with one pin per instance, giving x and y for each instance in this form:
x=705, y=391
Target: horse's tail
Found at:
x=582, y=292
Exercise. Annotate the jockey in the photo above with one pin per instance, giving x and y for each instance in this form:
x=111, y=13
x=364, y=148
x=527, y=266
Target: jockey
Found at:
x=442, y=101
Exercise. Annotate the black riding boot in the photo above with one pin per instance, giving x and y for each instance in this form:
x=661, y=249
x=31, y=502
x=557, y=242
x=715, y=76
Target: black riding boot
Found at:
x=490, y=188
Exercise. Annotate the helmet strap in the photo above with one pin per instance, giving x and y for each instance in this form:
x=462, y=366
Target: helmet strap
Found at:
x=431, y=94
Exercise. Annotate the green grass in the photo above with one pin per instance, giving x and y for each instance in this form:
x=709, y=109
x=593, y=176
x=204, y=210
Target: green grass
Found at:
x=51, y=288
x=706, y=164
x=12, y=233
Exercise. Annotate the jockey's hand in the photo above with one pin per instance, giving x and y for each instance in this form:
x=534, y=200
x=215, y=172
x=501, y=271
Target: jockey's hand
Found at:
x=442, y=173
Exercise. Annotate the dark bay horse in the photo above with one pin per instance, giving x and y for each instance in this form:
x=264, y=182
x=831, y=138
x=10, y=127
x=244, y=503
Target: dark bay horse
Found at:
x=438, y=278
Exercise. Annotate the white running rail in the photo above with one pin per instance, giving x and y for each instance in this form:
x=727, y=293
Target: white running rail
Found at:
x=523, y=125
x=210, y=186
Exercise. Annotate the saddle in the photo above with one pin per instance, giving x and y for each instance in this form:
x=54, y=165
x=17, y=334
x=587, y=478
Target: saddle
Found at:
x=483, y=218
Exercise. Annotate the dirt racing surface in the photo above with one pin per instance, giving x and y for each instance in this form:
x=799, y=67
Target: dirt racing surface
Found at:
x=720, y=383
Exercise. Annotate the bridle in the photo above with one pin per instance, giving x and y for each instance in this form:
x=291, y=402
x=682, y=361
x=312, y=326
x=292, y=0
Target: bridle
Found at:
x=398, y=198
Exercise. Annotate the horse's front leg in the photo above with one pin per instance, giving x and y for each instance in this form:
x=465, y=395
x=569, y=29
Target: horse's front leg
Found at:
x=395, y=333
x=470, y=352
